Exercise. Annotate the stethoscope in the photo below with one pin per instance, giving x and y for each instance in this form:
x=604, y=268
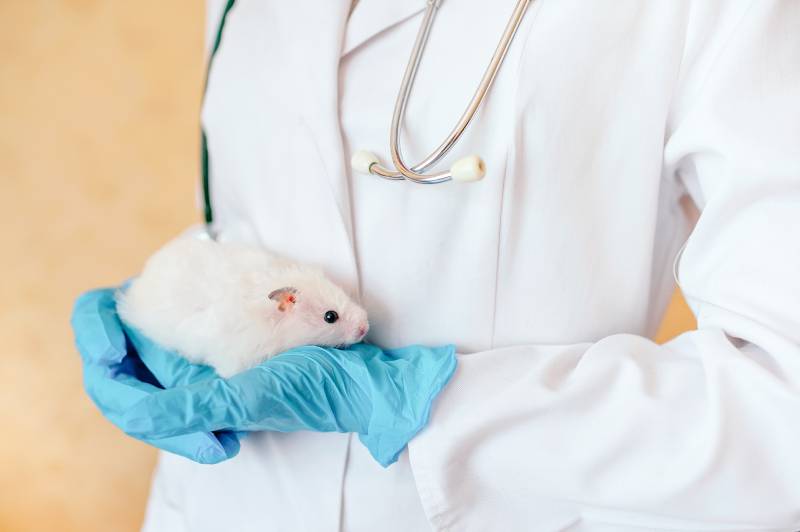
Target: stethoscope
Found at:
x=466, y=169
x=470, y=168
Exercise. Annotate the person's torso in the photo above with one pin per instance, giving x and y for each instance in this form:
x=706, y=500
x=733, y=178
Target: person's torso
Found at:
x=568, y=238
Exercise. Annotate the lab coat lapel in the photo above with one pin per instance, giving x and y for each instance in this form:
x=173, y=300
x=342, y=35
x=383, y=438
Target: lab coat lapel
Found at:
x=371, y=17
x=293, y=129
x=318, y=64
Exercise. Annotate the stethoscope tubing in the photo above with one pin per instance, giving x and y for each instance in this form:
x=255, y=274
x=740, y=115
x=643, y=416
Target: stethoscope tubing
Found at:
x=415, y=173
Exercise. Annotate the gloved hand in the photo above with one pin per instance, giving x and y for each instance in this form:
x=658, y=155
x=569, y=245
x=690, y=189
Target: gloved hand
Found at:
x=384, y=396
x=121, y=367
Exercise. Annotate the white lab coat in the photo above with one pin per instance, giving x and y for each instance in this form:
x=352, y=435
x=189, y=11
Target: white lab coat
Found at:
x=610, y=124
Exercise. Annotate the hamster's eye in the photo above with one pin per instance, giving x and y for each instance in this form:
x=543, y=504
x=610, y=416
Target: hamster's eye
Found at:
x=331, y=316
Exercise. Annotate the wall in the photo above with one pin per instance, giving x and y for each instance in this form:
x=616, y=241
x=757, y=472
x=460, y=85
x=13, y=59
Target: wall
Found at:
x=98, y=161
x=98, y=137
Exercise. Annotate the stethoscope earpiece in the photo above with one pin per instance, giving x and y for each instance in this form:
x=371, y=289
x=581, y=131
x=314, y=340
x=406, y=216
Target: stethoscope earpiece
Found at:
x=363, y=160
x=465, y=170
x=468, y=169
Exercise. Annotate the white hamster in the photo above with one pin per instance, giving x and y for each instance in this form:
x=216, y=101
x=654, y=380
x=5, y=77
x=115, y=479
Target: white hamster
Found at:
x=232, y=306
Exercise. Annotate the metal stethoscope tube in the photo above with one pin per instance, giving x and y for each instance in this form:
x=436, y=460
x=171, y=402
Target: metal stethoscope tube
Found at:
x=469, y=168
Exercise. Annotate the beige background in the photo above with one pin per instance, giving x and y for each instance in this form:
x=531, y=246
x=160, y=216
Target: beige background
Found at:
x=98, y=163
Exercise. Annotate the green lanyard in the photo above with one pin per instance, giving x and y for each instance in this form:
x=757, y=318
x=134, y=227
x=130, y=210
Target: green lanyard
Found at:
x=208, y=212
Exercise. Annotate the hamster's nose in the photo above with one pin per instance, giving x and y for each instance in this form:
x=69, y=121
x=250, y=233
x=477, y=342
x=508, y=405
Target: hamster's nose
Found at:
x=362, y=331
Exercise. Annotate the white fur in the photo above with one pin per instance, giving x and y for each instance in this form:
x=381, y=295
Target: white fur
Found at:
x=209, y=301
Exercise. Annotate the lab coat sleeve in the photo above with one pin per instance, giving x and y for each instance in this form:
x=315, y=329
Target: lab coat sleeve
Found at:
x=700, y=433
x=214, y=10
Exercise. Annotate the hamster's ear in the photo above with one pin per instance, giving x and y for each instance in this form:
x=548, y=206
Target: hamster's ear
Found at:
x=285, y=297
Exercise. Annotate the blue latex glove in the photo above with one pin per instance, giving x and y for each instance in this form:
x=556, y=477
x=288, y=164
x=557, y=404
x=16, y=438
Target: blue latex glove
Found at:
x=121, y=367
x=384, y=396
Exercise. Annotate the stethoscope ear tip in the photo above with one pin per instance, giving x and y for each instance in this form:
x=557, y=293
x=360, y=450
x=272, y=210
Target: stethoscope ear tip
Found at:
x=465, y=170
x=468, y=169
x=362, y=160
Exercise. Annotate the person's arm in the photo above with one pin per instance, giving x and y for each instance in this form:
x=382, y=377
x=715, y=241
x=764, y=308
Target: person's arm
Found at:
x=214, y=11
x=703, y=432
x=121, y=367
